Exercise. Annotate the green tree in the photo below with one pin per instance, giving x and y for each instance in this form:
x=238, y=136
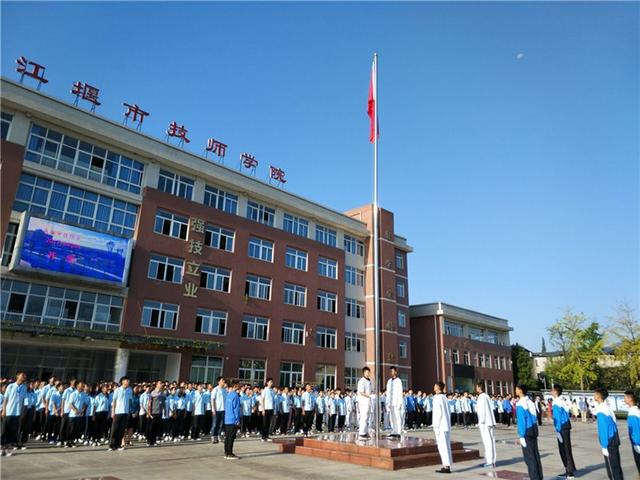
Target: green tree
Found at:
x=543, y=347
x=523, y=366
x=624, y=329
x=564, y=332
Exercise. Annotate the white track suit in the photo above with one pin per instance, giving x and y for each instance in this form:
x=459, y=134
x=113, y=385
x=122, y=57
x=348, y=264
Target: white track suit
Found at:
x=487, y=425
x=395, y=404
x=441, y=427
x=364, y=405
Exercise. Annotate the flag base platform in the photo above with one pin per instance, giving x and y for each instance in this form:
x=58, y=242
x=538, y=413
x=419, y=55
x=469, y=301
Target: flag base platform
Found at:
x=388, y=454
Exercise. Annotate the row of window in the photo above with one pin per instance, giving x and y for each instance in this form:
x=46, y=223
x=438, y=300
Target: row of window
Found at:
x=68, y=154
x=5, y=124
x=473, y=333
x=498, y=387
x=483, y=360
x=253, y=371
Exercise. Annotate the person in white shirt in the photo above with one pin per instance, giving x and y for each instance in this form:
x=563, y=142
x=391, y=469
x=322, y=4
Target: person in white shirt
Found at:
x=486, y=425
x=395, y=403
x=364, y=402
x=442, y=426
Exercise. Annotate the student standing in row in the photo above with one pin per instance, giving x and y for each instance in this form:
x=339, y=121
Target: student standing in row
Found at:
x=633, y=424
x=442, y=426
x=528, y=432
x=307, y=410
x=364, y=402
x=562, y=425
x=267, y=402
x=218, y=397
x=395, y=403
x=486, y=425
x=608, y=434
x=120, y=405
x=14, y=397
x=231, y=421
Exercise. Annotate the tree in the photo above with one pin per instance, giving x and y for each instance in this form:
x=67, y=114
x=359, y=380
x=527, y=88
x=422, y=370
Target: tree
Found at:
x=624, y=329
x=563, y=333
x=523, y=366
x=543, y=347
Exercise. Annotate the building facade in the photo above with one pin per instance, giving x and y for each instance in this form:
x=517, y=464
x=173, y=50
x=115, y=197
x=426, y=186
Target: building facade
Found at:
x=459, y=347
x=228, y=275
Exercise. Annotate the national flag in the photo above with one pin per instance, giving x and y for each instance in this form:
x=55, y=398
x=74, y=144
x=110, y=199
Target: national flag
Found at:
x=371, y=106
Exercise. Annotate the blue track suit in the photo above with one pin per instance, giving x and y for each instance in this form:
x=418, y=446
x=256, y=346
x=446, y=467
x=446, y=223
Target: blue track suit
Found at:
x=562, y=424
x=231, y=420
x=609, y=440
x=633, y=423
x=528, y=430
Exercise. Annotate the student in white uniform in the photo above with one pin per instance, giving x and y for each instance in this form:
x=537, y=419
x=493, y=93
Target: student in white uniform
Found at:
x=364, y=402
x=395, y=403
x=486, y=425
x=442, y=426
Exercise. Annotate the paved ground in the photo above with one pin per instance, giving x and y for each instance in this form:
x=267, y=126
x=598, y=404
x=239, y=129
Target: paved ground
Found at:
x=261, y=461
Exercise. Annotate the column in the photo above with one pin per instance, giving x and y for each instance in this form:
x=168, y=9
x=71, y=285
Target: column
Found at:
x=121, y=364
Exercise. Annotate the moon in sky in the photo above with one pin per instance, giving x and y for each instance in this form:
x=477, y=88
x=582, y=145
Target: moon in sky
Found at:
x=520, y=56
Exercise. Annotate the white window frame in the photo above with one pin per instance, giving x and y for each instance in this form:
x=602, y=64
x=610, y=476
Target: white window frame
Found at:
x=219, y=238
x=400, y=289
x=402, y=318
x=261, y=213
x=402, y=349
x=293, y=333
x=295, y=225
x=326, y=337
x=326, y=235
x=167, y=265
x=327, y=267
x=296, y=259
x=353, y=245
x=220, y=199
x=258, y=287
x=260, y=249
x=209, y=319
x=215, y=278
x=327, y=301
x=354, y=342
x=290, y=376
x=295, y=295
x=176, y=184
x=167, y=315
x=354, y=308
x=179, y=222
x=257, y=324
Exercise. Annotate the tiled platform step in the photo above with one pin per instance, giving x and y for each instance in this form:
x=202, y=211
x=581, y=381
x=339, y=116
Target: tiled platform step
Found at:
x=387, y=454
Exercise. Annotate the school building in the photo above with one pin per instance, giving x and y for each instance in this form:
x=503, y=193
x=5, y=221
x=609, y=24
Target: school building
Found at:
x=459, y=347
x=126, y=254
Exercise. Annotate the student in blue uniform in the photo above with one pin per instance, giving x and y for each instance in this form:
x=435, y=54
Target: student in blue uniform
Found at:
x=231, y=421
x=285, y=410
x=54, y=413
x=101, y=412
x=320, y=410
x=120, y=406
x=308, y=407
x=197, y=418
x=267, y=404
x=562, y=425
x=527, y=417
x=12, y=404
x=633, y=424
x=608, y=434
x=246, y=407
x=218, y=396
x=28, y=414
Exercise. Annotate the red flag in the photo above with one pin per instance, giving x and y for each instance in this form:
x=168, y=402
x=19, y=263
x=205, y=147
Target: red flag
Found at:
x=371, y=107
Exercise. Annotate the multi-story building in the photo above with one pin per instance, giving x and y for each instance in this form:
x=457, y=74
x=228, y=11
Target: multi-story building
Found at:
x=227, y=275
x=459, y=347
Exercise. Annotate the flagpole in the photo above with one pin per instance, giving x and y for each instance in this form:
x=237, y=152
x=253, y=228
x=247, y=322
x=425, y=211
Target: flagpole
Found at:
x=376, y=253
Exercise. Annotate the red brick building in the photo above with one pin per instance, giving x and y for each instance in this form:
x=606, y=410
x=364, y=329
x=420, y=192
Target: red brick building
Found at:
x=229, y=275
x=459, y=346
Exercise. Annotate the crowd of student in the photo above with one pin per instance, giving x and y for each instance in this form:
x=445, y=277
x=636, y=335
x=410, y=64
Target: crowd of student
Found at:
x=76, y=413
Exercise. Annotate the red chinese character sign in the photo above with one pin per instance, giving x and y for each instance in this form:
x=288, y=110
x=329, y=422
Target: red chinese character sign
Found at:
x=249, y=162
x=135, y=113
x=276, y=174
x=27, y=68
x=218, y=148
x=179, y=132
x=86, y=92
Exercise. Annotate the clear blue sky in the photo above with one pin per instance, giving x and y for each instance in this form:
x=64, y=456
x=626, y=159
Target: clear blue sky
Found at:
x=515, y=179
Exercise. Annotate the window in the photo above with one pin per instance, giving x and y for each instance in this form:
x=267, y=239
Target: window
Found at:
x=481, y=357
x=351, y=377
x=354, y=308
x=217, y=198
x=326, y=376
x=166, y=269
x=466, y=358
x=47, y=305
x=503, y=363
x=402, y=349
x=326, y=337
x=399, y=261
x=404, y=377
x=496, y=362
x=326, y=235
x=447, y=355
x=400, y=289
x=251, y=371
x=172, y=225
x=258, y=287
x=291, y=374
x=293, y=332
x=453, y=329
x=261, y=249
x=159, y=315
x=487, y=361
x=327, y=267
x=219, y=237
x=177, y=185
x=327, y=302
x=491, y=337
x=402, y=319
x=295, y=295
x=490, y=387
x=83, y=159
x=352, y=245
x=255, y=328
x=353, y=276
x=205, y=369
x=296, y=225
x=215, y=278
x=295, y=258
x=455, y=356
x=211, y=322
x=353, y=342
x=9, y=243
x=5, y=124
x=260, y=213
x=61, y=201
x=476, y=362
x=476, y=334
